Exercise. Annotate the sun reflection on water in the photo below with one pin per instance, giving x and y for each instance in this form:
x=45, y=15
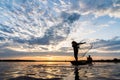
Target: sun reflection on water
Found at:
x=56, y=71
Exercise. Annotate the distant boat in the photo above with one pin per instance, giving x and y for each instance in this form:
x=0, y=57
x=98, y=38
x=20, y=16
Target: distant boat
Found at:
x=80, y=62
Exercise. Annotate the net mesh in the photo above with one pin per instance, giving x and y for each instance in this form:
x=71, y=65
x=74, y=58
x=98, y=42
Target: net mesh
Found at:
x=84, y=48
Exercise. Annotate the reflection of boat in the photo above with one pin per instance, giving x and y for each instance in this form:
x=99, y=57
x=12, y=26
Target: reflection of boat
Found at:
x=79, y=62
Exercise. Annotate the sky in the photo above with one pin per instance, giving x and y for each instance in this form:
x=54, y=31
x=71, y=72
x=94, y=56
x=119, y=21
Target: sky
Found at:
x=44, y=29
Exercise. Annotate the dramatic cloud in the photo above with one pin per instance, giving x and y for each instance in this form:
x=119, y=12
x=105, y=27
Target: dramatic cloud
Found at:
x=51, y=25
x=112, y=45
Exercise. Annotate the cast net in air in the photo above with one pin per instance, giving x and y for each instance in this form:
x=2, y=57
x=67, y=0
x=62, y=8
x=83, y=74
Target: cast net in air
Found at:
x=84, y=49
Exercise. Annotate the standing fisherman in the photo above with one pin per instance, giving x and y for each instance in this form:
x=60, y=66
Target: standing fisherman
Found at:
x=75, y=46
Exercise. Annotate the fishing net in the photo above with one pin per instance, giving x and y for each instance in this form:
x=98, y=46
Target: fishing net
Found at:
x=84, y=49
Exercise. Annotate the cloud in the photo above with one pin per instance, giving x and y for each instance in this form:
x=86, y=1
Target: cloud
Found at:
x=70, y=18
x=11, y=53
x=101, y=8
x=51, y=24
x=108, y=45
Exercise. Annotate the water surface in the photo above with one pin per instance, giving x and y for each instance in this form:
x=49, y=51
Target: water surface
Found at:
x=58, y=71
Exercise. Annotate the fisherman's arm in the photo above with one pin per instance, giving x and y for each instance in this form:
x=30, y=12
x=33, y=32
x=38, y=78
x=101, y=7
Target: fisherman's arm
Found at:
x=81, y=43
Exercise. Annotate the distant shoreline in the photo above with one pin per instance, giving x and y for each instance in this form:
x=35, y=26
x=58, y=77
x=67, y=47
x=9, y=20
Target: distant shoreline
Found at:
x=8, y=60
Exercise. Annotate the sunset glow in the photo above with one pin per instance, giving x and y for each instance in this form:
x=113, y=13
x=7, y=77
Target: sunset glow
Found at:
x=44, y=29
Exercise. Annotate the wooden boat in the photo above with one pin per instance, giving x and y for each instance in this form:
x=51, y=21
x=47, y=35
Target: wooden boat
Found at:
x=80, y=62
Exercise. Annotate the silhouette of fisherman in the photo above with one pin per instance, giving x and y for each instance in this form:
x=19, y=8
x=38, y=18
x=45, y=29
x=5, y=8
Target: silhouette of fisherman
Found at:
x=75, y=46
x=89, y=59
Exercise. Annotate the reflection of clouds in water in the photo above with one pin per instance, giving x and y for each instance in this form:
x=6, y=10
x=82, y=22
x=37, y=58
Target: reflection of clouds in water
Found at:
x=37, y=70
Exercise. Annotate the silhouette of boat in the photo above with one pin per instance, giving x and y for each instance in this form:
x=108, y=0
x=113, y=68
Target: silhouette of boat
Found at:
x=80, y=62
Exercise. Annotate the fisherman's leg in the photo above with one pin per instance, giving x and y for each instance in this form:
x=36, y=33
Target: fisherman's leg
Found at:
x=76, y=56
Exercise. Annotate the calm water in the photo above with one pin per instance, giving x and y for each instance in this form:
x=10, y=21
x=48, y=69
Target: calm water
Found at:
x=58, y=71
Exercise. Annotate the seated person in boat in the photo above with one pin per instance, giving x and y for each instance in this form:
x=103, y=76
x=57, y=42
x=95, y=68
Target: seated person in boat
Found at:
x=89, y=59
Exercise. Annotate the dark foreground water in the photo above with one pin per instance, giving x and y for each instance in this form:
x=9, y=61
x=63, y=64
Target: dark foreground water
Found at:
x=58, y=71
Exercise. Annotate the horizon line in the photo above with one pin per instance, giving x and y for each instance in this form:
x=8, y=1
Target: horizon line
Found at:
x=19, y=60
